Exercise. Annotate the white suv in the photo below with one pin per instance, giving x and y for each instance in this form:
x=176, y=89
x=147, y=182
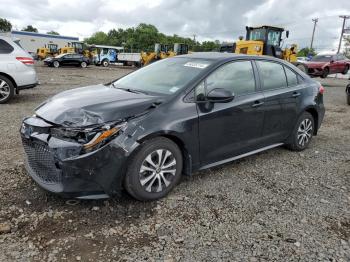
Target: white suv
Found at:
x=16, y=69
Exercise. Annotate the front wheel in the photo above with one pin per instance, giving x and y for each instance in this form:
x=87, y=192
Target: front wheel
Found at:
x=347, y=91
x=105, y=63
x=83, y=64
x=154, y=170
x=302, y=133
x=302, y=68
x=325, y=73
x=346, y=70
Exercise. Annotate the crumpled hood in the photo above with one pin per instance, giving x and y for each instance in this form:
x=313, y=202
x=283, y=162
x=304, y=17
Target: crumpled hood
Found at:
x=93, y=105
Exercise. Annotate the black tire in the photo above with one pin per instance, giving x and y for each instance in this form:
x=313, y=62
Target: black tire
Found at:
x=346, y=70
x=348, y=99
x=8, y=88
x=134, y=175
x=295, y=144
x=325, y=73
x=105, y=63
x=302, y=67
x=347, y=91
x=56, y=64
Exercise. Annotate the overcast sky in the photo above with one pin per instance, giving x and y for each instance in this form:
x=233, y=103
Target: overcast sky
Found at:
x=224, y=20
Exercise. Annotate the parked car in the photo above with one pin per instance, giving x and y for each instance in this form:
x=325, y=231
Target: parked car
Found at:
x=347, y=91
x=16, y=69
x=302, y=59
x=323, y=65
x=34, y=55
x=67, y=60
x=173, y=117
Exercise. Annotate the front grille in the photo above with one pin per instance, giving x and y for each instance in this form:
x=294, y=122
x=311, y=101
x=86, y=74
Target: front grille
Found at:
x=41, y=162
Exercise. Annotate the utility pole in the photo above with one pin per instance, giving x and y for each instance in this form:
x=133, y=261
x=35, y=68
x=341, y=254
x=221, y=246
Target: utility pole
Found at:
x=315, y=20
x=342, y=30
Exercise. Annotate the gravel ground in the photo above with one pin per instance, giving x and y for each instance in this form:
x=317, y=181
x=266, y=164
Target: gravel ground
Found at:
x=276, y=206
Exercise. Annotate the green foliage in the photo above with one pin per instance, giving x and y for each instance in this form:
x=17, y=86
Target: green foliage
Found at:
x=53, y=33
x=306, y=51
x=5, y=25
x=30, y=28
x=347, y=46
x=143, y=37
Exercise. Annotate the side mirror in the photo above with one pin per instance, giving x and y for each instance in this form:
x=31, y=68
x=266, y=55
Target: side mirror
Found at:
x=220, y=95
x=287, y=33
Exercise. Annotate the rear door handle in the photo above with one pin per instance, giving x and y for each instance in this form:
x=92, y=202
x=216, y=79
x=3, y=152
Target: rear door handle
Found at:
x=257, y=103
x=296, y=94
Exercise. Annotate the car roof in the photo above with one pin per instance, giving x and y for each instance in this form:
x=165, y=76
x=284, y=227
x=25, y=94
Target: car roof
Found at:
x=218, y=56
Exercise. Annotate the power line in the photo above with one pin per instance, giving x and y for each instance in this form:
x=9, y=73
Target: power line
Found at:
x=315, y=20
x=345, y=17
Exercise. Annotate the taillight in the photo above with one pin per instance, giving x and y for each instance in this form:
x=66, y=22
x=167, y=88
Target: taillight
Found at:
x=26, y=60
x=321, y=90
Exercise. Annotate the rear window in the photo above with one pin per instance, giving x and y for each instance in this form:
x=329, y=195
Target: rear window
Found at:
x=5, y=48
x=292, y=78
x=272, y=75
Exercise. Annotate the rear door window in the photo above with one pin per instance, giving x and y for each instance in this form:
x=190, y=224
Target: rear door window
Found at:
x=292, y=78
x=5, y=48
x=272, y=75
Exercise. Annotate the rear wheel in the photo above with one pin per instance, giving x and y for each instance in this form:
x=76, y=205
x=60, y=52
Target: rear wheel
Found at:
x=154, y=170
x=346, y=70
x=302, y=133
x=6, y=89
x=325, y=72
x=56, y=64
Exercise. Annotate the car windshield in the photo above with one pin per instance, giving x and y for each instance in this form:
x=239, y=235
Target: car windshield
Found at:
x=322, y=58
x=164, y=77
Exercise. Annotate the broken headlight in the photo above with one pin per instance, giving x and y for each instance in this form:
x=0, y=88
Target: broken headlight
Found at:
x=91, y=138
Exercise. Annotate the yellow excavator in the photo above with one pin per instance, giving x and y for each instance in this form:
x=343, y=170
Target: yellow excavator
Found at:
x=47, y=51
x=162, y=51
x=263, y=40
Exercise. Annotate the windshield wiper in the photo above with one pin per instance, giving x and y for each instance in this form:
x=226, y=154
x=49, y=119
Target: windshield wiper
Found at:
x=130, y=90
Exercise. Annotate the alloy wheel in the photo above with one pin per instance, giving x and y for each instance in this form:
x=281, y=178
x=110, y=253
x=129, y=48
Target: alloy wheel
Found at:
x=157, y=170
x=4, y=90
x=56, y=64
x=304, y=132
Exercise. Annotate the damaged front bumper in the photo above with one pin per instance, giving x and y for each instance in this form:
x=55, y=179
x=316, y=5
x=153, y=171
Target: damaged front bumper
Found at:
x=58, y=166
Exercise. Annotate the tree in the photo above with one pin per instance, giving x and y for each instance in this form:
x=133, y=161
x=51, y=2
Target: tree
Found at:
x=53, y=33
x=98, y=38
x=306, y=51
x=5, y=25
x=347, y=46
x=30, y=28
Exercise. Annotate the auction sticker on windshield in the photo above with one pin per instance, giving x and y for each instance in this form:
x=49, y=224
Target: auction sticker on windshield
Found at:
x=196, y=65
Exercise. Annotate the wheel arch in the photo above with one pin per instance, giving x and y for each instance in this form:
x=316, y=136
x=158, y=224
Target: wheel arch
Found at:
x=314, y=114
x=187, y=158
x=9, y=77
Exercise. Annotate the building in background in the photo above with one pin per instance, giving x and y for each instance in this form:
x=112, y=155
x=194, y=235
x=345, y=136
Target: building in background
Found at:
x=32, y=41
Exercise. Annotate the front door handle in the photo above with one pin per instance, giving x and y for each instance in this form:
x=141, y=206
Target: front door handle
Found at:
x=296, y=94
x=257, y=103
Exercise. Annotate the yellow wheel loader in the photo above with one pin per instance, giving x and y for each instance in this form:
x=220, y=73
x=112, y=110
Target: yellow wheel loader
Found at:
x=163, y=51
x=264, y=40
x=47, y=51
x=78, y=48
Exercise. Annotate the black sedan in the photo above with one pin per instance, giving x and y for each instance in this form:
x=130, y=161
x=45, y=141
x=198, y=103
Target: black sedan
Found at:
x=67, y=60
x=145, y=130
